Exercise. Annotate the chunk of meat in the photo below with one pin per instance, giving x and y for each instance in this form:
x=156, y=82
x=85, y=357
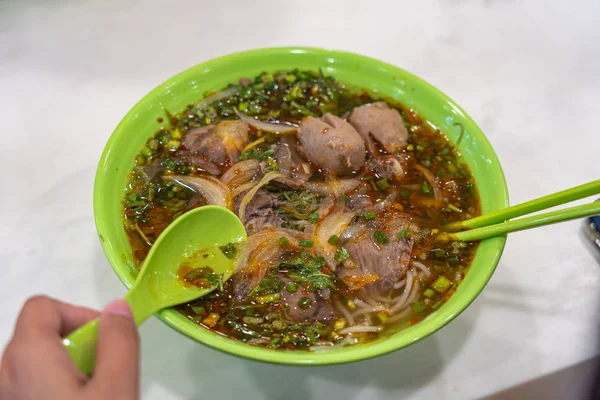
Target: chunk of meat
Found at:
x=318, y=310
x=388, y=167
x=378, y=121
x=260, y=214
x=331, y=143
x=220, y=144
x=381, y=266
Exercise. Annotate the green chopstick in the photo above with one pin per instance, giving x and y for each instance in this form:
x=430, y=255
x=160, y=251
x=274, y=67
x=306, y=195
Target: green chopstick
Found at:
x=496, y=223
x=520, y=224
x=551, y=200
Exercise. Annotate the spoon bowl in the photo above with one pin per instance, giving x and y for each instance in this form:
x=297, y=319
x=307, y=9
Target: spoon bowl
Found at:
x=194, y=240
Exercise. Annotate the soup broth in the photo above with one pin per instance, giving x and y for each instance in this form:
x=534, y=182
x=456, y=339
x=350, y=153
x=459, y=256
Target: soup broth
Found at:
x=342, y=194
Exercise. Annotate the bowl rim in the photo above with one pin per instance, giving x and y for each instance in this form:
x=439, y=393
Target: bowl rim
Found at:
x=363, y=352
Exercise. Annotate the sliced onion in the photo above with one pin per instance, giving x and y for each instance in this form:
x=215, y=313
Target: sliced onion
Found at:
x=262, y=251
x=266, y=126
x=388, y=201
x=240, y=173
x=223, y=94
x=433, y=181
x=212, y=189
x=333, y=224
x=242, y=188
x=197, y=161
x=248, y=196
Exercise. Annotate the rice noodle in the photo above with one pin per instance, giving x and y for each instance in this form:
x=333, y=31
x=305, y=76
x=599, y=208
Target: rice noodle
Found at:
x=213, y=190
x=266, y=126
x=248, y=196
x=422, y=267
x=399, y=316
x=223, y=94
x=433, y=181
x=360, y=329
x=341, y=308
x=399, y=284
x=368, y=310
x=402, y=300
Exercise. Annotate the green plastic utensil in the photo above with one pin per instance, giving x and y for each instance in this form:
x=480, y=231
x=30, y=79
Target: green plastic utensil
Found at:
x=200, y=231
x=496, y=224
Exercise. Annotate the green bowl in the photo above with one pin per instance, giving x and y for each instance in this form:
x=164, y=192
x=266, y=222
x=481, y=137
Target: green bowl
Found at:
x=376, y=76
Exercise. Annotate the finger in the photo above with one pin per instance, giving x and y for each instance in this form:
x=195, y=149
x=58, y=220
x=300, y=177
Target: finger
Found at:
x=117, y=353
x=41, y=314
x=36, y=347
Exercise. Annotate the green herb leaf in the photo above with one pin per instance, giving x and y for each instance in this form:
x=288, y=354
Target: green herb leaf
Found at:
x=304, y=303
x=368, y=216
x=341, y=254
x=229, y=250
x=307, y=271
x=313, y=218
x=381, y=237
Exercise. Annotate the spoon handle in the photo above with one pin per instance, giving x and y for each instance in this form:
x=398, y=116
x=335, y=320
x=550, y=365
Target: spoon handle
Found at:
x=524, y=223
x=81, y=345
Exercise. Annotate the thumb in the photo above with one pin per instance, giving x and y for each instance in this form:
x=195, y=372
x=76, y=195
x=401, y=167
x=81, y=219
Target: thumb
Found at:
x=117, y=353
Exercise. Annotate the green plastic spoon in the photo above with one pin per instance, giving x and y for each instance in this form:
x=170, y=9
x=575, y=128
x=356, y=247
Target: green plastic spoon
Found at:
x=198, y=232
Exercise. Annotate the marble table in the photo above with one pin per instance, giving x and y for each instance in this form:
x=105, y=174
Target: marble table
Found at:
x=527, y=72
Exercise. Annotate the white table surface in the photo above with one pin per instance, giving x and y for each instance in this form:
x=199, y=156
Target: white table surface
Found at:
x=528, y=72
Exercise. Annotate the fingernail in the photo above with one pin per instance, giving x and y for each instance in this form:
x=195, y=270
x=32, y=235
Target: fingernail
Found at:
x=118, y=307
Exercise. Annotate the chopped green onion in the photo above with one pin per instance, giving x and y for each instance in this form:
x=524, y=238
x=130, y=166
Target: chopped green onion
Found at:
x=418, y=307
x=368, y=216
x=340, y=323
x=428, y=293
x=383, y=184
x=269, y=298
x=439, y=253
x=313, y=218
x=405, y=194
x=304, y=303
x=453, y=260
x=452, y=207
x=198, y=310
x=282, y=241
x=333, y=239
x=425, y=188
x=383, y=317
x=306, y=243
x=381, y=237
x=436, y=306
x=441, y=284
x=439, y=268
x=341, y=254
x=404, y=233
x=419, y=147
x=291, y=288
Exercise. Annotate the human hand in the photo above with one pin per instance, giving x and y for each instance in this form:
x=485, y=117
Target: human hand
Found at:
x=36, y=365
